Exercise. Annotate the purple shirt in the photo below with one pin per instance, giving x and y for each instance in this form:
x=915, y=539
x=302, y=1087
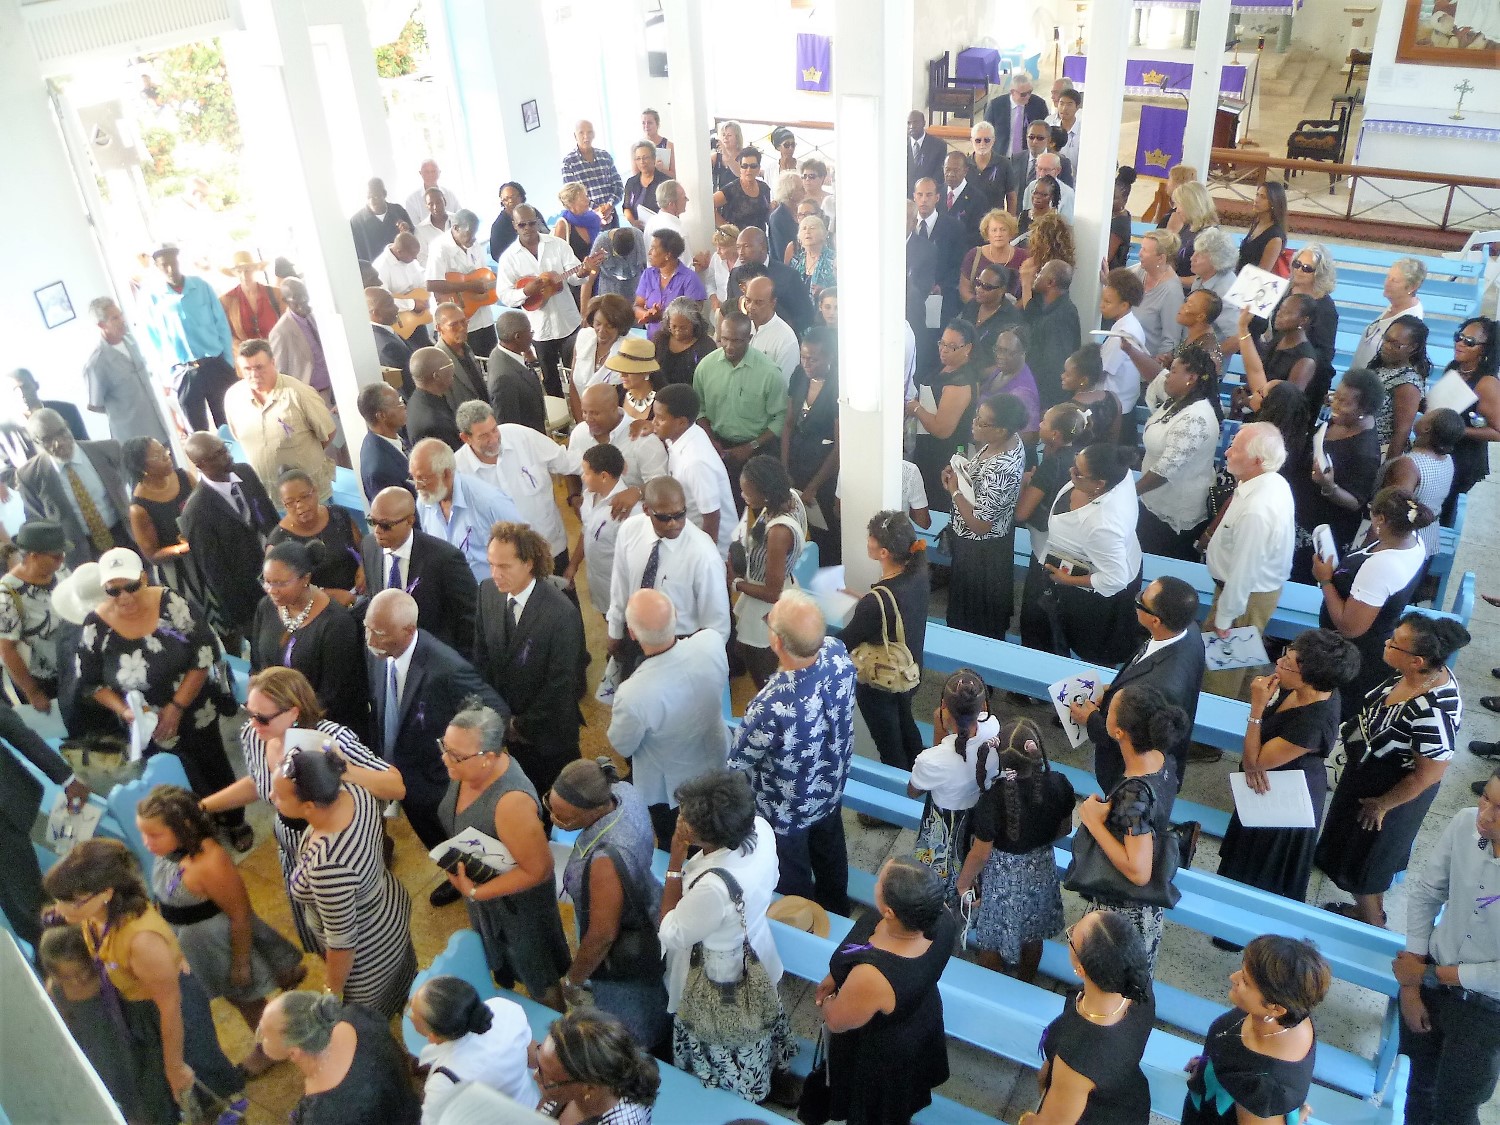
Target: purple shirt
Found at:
x=684, y=283
x=315, y=345
x=1022, y=386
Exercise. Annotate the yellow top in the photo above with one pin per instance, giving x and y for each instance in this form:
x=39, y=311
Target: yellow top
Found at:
x=112, y=947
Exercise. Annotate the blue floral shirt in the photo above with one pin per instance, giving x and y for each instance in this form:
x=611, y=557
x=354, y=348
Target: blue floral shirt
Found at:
x=796, y=740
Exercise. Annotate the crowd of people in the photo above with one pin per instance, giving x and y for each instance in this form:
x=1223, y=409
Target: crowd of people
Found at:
x=603, y=411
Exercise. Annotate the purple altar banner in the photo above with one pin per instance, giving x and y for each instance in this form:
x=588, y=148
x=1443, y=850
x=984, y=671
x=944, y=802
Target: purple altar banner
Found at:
x=814, y=63
x=1159, y=146
x=1144, y=76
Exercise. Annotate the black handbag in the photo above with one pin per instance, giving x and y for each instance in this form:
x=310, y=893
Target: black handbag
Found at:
x=1092, y=875
x=635, y=954
x=815, y=1107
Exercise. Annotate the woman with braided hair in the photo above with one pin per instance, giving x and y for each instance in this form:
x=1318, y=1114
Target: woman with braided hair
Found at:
x=1014, y=824
x=952, y=774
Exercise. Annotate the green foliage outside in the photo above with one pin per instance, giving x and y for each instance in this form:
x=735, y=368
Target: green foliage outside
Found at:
x=404, y=54
x=189, y=127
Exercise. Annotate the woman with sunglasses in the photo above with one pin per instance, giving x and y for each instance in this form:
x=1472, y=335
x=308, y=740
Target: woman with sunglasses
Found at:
x=356, y=908
x=1476, y=356
x=990, y=310
x=164, y=1019
x=337, y=565
x=591, y=1071
x=746, y=201
x=814, y=184
x=987, y=168
x=513, y=904
x=299, y=625
x=148, y=639
x=281, y=700
x=1314, y=274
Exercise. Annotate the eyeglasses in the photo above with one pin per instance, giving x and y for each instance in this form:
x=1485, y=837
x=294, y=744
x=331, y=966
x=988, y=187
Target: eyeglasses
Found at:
x=282, y=584
x=298, y=501
x=387, y=525
x=944, y=345
x=987, y=287
x=1392, y=644
x=669, y=517
x=128, y=588
x=1304, y=268
x=265, y=720
x=1467, y=341
x=983, y=141
x=456, y=759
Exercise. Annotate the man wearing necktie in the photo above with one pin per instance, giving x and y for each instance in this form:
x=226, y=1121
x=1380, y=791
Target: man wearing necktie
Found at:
x=924, y=152
x=398, y=555
x=1011, y=115
x=77, y=484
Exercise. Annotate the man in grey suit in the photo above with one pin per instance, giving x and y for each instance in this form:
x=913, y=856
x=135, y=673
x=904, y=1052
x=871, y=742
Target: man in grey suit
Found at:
x=120, y=383
x=453, y=341
x=515, y=388
x=79, y=484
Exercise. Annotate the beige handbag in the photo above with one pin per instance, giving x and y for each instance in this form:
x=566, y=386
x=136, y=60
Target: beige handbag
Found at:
x=887, y=666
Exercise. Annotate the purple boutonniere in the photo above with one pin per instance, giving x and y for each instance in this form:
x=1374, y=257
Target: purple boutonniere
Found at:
x=286, y=655
x=525, y=651
x=421, y=714
x=286, y=429
x=174, y=634
x=411, y=587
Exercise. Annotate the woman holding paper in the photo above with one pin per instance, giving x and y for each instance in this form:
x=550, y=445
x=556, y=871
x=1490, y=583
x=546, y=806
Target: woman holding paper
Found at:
x=1335, y=493
x=1293, y=725
x=1180, y=438
x=1365, y=592
x=1475, y=358
x=1398, y=751
x=1290, y=359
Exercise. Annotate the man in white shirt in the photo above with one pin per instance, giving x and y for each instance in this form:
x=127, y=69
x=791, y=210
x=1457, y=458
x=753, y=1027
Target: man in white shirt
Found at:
x=1050, y=164
x=693, y=461
x=667, y=717
x=768, y=332
x=1250, y=554
x=519, y=462
x=456, y=252
x=416, y=202
x=661, y=550
x=1121, y=293
x=434, y=220
x=1068, y=103
x=671, y=202
x=533, y=274
x=458, y=509
x=604, y=422
x=403, y=271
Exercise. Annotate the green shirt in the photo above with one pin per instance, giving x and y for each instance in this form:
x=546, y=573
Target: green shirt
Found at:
x=741, y=401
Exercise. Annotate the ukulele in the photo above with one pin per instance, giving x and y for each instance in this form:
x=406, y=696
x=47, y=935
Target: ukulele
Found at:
x=409, y=320
x=471, y=303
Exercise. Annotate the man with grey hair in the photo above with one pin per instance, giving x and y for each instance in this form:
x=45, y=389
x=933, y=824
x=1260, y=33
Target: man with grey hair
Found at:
x=513, y=386
x=667, y=718
x=296, y=343
x=460, y=510
x=1250, y=554
x=1011, y=115
x=519, y=462
x=671, y=203
x=416, y=202
x=456, y=271
x=119, y=383
x=78, y=484
x=1051, y=164
x=795, y=742
x=417, y=684
x=1052, y=319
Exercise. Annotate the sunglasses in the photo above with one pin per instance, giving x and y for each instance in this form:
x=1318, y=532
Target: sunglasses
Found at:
x=987, y=287
x=669, y=517
x=526, y=224
x=387, y=525
x=265, y=720
x=128, y=588
x=1467, y=341
x=1140, y=604
x=983, y=141
x=751, y=167
x=1304, y=268
x=811, y=176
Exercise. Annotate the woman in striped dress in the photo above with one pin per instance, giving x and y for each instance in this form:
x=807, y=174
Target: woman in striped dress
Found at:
x=358, y=910
x=767, y=544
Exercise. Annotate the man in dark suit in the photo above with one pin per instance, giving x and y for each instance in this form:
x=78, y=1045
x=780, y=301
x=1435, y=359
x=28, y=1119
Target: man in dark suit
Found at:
x=921, y=273
x=227, y=519
x=394, y=352
x=961, y=201
x=453, y=341
x=1171, y=660
x=433, y=572
x=1023, y=164
x=383, y=453
x=948, y=239
x=427, y=411
x=529, y=646
x=1052, y=319
x=514, y=388
x=78, y=484
x=21, y=885
x=1012, y=114
x=417, y=684
x=924, y=152
x=793, y=304
x=378, y=222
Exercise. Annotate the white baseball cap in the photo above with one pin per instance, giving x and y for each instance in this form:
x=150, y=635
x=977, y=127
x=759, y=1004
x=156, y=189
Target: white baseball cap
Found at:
x=120, y=562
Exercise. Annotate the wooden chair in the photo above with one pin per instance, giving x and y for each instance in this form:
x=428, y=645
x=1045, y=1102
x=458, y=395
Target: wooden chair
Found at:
x=946, y=94
x=1320, y=139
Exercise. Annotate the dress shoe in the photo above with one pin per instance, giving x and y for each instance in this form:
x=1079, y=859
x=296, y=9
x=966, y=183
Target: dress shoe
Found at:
x=1489, y=750
x=1490, y=702
x=445, y=894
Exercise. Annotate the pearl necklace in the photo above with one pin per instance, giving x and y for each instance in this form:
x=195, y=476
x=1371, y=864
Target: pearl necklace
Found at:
x=292, y=624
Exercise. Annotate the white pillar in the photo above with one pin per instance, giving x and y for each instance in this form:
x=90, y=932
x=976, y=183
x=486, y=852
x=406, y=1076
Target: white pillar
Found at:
x=351, y=96
x=686, y=52
x=871, y=89
x=1203, y=98
x=288, y=138
x=1109, y=36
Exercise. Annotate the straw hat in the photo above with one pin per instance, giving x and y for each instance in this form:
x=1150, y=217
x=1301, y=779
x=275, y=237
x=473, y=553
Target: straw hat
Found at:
x=637, y=356
x=243, y=259
x=800, y=914
x=79, y=594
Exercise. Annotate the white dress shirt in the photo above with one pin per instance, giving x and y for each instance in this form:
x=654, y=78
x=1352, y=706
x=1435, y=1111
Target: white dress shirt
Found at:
x=777, y=340
x=696, y=465
x=496, y=1058
x=689, y=572
x=1180, y=448
x=665, y=220
x=445, y=256
x=1120, y=372
x=403, y=666
x=401, y=277
x=1251, y=552
x=402, y=555
x=1102, y=534
x=1462, y=874
x=559, y=316
x=667, y=717
x=645, y=456
x=599, y=532
x=1155, y=646
x=706, y=914
x=527, y=461
x=416, y=202
x=519, y=601
x=427, y=234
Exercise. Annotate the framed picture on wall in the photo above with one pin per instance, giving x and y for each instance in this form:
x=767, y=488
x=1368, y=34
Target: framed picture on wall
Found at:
x=1451, y=33
x=56, y=307
x=530, y=116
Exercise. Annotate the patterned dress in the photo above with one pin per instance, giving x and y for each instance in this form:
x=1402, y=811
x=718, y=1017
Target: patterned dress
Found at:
x=1140, y=806
x=749, y=612
x=981, y=593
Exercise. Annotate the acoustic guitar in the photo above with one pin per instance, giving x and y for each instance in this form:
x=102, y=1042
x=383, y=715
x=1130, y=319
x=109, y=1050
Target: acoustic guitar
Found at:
x=409, y=320
x=551, y=285
x=471, y=303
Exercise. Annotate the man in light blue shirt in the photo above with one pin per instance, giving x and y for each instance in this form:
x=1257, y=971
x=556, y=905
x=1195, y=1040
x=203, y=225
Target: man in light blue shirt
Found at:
x=458, y=509
x=186, y=325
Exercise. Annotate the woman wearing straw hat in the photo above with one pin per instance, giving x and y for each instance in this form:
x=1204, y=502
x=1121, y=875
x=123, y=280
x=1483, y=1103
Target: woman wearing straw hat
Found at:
x=637, y=367
x=252, y=308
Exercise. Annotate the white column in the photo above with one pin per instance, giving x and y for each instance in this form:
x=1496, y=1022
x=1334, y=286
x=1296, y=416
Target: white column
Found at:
x=288, y=138
x=1109, y=36
x=1203, y=98
x=686, y=52
x=871, y=87
x=351, y=96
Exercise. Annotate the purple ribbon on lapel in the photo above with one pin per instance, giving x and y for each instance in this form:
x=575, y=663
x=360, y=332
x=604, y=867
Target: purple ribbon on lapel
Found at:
x=1486, y=900
x=286, y=655
x=411, y=587
x=525, y=652
x=421, y=714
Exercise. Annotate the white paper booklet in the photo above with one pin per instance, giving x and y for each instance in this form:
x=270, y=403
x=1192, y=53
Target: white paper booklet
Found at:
x=1257, y=290
x=1286, y=804
x=1243, y=648
x=1075, y=689
x=476, y=850
x=1323, y=545
x=1451, y=393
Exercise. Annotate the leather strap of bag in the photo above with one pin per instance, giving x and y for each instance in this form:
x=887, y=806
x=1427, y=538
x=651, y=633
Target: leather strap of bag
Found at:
x=885, y=636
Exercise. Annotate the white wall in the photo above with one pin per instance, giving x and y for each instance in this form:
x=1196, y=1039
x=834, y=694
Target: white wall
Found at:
x=1429, y=87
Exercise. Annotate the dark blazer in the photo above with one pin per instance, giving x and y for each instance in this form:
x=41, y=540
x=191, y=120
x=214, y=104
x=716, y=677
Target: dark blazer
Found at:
x=372, y=235
x=467, y=386
x=515, y=392
x=429, y=415
x=538, y=671
x=437, y=683
x=793, y=304
x=921, y=276
x=968, y=208
x=382, y=466
x=21, y=888
x=781, y=229
x=46, y=495
x=1177, y=672
x=1055, y=336
x=394, y=352
x=1021, y=174
x=928, y=164
x=227, y=552
x=997, y=113
x=440, y=580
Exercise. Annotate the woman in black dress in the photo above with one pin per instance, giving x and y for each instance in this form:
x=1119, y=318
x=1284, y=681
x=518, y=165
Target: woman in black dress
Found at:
x=1314, y=275
x=1290, y=358
x=991, y=311
x=683, y=345
x=1083, y=381
x=954, y=390
x=1293, y=725
x=746, y=201
x=299, y=625
x=1338, y=498
x=338, y=567
x=1092, y=1074
x=1398, y=748
x=1476, y=358
x=639, y=203
x=1260, y=1053
x=880, y=1001
x=159, y=492
x=1262, y=243
x=810, y=437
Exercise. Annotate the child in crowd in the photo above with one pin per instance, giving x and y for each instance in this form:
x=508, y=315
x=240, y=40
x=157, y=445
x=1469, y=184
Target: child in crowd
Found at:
x=603, y=466
x=72, y=981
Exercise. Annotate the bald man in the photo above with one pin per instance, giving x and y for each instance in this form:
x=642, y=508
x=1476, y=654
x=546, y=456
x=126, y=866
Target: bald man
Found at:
x=604, y=422
x=227, y=518
x=428, y=412
x=793, y=304
x=401, y=270
x=394, y=352
x=399, y=555
x=1052, y=320
x=769, y=333
x=595, y=170
x=795, y=743
x=666, y=717
x=416, y=202
x=296, y=343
